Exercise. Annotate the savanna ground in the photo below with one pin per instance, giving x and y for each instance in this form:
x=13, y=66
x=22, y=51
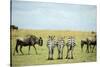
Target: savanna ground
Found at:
x=41, y=58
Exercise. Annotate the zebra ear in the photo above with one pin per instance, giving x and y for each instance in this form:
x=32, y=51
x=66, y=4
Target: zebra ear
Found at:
x=49, y=36
x=54, y=36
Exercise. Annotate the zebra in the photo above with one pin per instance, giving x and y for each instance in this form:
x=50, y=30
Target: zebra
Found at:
x=70, y=47
x=60, y=46
x=51, y=46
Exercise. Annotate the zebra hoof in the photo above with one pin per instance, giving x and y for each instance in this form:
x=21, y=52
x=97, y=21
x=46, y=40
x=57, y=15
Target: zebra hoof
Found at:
x=58, y=58
x=61, y=58
x=51, y=59
x=72, y=58
x=66, y=58
x=48, y=58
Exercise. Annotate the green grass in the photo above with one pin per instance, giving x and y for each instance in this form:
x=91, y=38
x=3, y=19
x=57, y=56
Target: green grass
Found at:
x=41, y=58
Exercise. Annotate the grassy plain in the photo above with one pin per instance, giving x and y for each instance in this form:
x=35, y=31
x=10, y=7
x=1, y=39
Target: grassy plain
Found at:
x=41, y=58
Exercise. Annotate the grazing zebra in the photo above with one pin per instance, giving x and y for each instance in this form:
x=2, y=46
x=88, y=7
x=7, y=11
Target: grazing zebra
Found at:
x=60, y=45
x=51, y=45
x=70, y=47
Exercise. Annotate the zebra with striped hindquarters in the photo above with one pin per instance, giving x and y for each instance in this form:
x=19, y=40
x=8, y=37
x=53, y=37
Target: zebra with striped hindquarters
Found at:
x=70, y=47
x=60, y=46
x=51, y=46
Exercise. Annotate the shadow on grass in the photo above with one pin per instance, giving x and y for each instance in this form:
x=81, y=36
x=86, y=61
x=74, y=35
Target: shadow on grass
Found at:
x=27, y=54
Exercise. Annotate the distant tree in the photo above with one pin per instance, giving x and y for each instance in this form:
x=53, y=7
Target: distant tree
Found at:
x=13, y=27
x=93, y=32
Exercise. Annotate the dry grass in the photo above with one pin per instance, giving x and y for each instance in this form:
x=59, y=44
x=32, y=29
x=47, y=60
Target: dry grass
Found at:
x=42, y=56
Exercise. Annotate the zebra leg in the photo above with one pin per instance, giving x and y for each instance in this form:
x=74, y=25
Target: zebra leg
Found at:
x=58, y=54
x=35, y=50
x=52, y=54
x=67, y=57
x=49, y=55
x=61, y=54
x=21, y=49
x=72, y=53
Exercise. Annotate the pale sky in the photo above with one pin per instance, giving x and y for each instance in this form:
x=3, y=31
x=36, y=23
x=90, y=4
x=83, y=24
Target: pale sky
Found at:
x=53, y=16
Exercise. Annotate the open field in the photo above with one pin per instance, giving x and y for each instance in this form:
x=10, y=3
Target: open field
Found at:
x=42, y=56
